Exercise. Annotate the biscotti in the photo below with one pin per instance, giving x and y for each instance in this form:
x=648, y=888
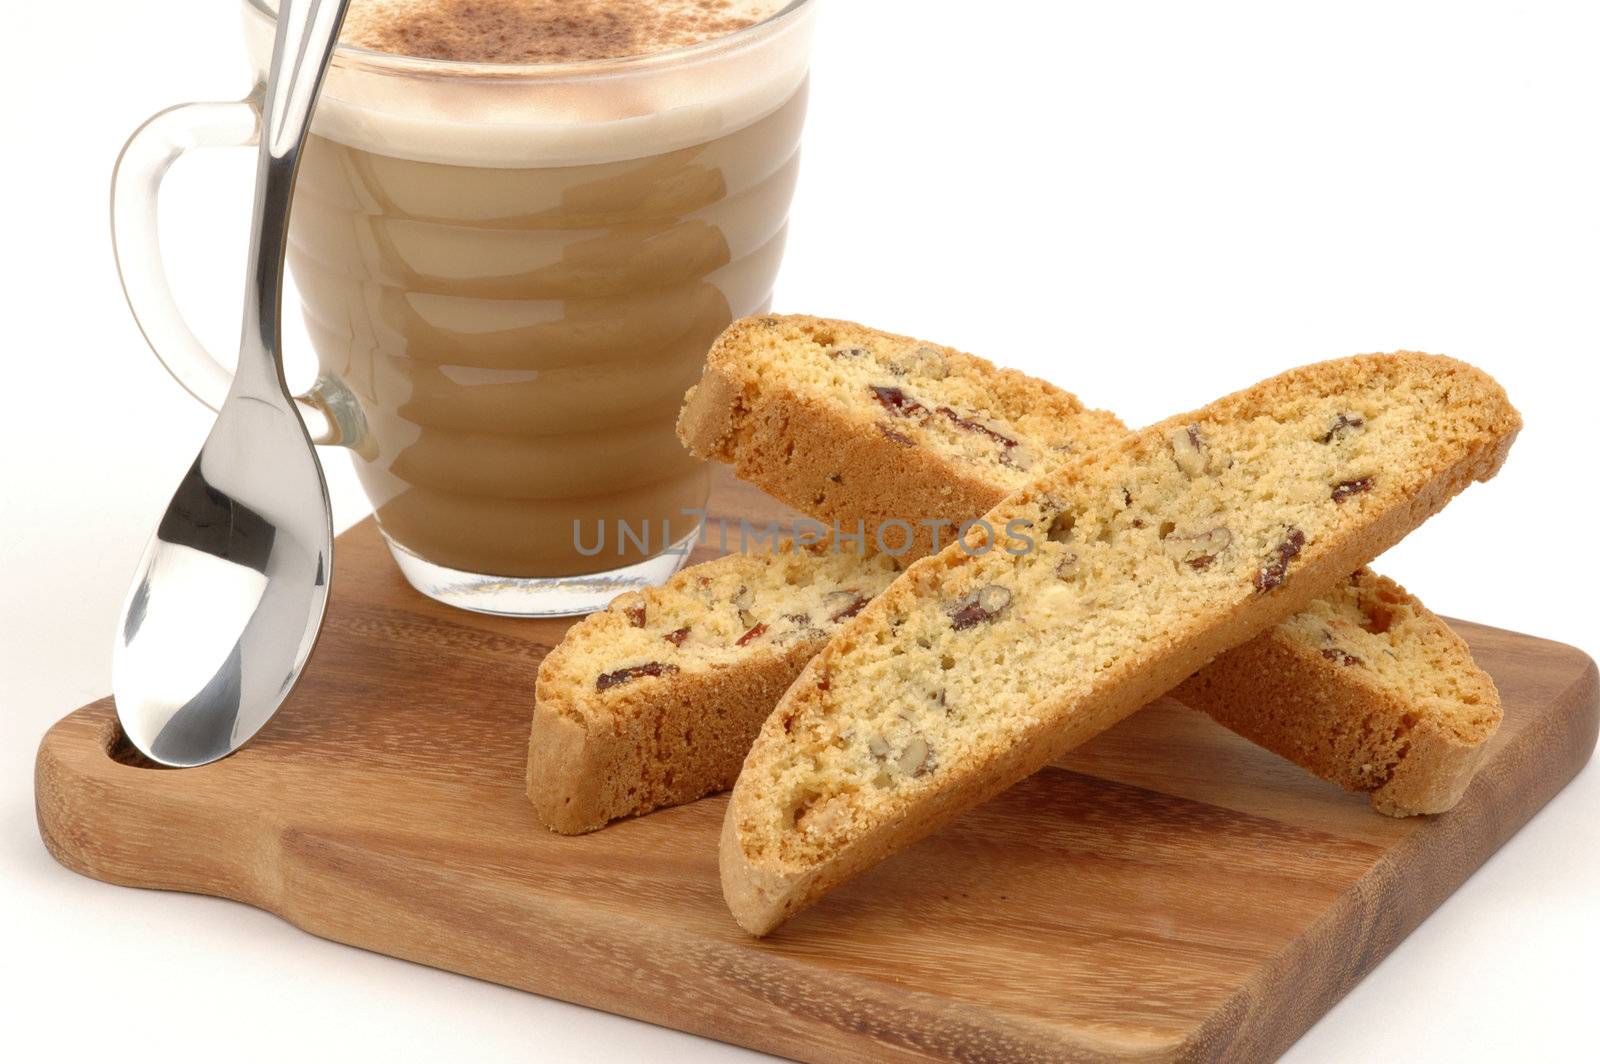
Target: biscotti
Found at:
x=598, y=752
x=1085, y=594
x=655, y=700
x=1364, y=687
x=774, y=383
x=872, y=430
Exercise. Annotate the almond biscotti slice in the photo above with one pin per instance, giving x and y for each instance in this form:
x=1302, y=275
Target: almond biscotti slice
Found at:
x=1365, y=687
x=1084, y=595
x=775, y=385
x=867, y=429
x=655, y=700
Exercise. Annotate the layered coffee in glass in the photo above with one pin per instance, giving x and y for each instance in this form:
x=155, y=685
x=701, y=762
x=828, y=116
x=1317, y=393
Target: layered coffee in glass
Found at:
x=518, y=227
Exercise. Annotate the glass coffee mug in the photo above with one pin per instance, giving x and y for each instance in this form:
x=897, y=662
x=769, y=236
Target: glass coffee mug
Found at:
x=510, y=275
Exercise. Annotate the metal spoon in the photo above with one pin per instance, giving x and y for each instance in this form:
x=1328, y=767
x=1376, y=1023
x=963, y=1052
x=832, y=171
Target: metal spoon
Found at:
x=230, y=593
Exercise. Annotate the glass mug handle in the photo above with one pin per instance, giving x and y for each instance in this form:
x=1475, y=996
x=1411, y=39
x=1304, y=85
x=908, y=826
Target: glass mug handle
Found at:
x=329, y=410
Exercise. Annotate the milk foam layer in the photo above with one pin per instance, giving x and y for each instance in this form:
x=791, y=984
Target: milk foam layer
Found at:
x=498, y=115
x=545, y=31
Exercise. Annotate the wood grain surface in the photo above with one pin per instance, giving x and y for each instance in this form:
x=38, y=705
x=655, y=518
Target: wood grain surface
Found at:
x=1169, y=892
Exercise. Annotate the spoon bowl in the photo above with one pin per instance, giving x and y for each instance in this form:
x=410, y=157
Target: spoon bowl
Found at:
x=230, y=593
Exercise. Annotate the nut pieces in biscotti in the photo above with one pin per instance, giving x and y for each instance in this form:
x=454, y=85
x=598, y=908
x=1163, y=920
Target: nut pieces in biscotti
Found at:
x=1012, y=451
x=1067, y=567
x=1276, y=570
x=1018, y=456
x=923, y=362
x=915, y=760
x=985, y=604
x=1347, y=489
x=1334, y=654
x=608, y=680
x=1189, y=450
x=1198, y=550
x=756, y=631
x=677, y=636
x=795, y=635
x=970, y=423
x=634, y=611
x=1346, y=424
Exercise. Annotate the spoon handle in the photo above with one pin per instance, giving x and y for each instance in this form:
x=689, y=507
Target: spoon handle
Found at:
x=307, y=31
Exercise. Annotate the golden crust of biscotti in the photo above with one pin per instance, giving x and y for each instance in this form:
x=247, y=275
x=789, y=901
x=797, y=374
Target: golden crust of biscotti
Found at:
x=860, y=758
x=783, y=433
x=1369, y=689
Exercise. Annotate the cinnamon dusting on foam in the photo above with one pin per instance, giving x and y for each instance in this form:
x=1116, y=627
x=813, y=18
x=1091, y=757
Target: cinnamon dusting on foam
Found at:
x=544, y=31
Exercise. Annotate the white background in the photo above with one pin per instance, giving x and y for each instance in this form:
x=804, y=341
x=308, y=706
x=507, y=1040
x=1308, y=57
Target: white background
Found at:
x=1149, y=204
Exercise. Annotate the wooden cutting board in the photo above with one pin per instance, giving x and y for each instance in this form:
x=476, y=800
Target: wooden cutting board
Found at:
x=1169, y=892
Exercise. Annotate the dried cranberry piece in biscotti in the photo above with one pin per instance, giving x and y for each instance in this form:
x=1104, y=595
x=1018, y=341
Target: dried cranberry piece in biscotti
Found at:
x=608, y=680
x=1349, y=489
x=1276, y=570
x=896, y=401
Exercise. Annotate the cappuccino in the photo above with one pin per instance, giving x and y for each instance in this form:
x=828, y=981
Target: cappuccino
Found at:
x=514, y=272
